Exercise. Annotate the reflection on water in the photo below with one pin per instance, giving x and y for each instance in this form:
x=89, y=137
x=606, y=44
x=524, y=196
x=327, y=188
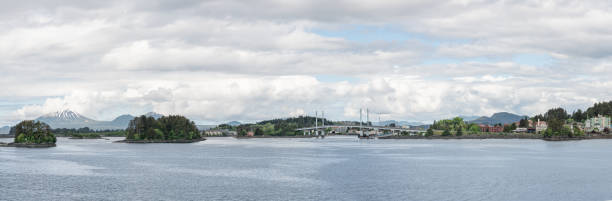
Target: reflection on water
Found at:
x=334, y=168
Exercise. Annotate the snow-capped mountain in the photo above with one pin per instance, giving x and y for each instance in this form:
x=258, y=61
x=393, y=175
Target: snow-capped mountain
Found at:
x=70, y=119
x=65, y=118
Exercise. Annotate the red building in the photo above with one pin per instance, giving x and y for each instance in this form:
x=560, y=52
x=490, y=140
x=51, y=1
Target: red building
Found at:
x=491, y=129
x=484, y=128
x=250, y=134
x=496, y=129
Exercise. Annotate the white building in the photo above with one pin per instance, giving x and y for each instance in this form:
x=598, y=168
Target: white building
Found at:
x=520, y=130
x=541, y=126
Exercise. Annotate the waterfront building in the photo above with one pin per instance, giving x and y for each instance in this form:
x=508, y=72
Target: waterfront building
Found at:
x=213, y=133
x=220, y=132
x=496, y=129
x=598, y=123
x=541, y=126
x=491, y=129
x=484, y=128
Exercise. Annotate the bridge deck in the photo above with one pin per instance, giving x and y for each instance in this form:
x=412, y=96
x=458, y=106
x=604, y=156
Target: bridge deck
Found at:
x=365, y=127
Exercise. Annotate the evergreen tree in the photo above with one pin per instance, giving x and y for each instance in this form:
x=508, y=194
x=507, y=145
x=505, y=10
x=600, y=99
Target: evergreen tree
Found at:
x=171, y=127
x=429, y=132
x=524, y=123
x=34, y=132
x=446, y=133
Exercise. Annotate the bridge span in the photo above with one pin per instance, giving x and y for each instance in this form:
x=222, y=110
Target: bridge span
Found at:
x=368, y=130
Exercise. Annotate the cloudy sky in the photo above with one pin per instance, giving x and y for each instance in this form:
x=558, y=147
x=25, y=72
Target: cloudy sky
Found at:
x=215, y=61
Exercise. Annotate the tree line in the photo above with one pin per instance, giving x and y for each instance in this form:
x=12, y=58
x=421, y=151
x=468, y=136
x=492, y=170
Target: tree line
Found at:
x=173, y=127
x=456, y=124
x=602, y=108
x=276, y=127
x=34, y=132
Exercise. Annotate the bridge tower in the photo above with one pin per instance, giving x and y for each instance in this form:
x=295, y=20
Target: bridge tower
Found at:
x=323, y=120
x=360, y=122
x=316, y=123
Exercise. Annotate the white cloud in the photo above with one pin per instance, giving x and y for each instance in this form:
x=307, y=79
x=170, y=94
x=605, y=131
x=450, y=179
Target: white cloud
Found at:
x=224, y=60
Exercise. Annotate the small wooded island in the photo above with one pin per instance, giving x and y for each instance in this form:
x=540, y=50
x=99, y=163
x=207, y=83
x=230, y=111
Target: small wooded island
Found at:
x=32, y=134
x=166, y=129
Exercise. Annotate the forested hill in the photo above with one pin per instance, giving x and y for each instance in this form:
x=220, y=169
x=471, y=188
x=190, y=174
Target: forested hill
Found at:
x=603, y=108
x=302, y=121
x=499, y=118
x=285, y=126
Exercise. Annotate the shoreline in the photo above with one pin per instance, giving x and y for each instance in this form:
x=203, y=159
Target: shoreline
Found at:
x=511, y=136
x=85, y=138
x=159, y=141
x=272, y=136
x=22, y=145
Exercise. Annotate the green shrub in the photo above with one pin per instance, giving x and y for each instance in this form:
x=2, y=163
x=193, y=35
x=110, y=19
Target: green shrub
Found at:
x=20, y=138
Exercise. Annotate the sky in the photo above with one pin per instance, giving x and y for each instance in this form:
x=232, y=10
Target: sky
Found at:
x=220, y=60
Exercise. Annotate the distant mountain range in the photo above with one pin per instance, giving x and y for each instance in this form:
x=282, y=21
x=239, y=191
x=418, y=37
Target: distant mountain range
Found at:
x=70, y=119
x=5, y=130
x=205, y=127
x=397, y=123
x=234, y=123
x=497, y=118
x=469, y=118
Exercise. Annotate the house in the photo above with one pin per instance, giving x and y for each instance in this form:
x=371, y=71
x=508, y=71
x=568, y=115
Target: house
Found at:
x=530, y=124
x=213, y=133
x=598, y=123
x=250, y=134
x=220, y=132
x=540, y=126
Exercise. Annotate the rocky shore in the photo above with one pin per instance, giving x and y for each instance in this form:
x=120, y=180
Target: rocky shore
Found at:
x=160, y=141
x=26, y=145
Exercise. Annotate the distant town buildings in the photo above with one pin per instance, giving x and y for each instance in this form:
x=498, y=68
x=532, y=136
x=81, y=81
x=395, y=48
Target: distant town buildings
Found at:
x=221, y=132
x=540, y=126
x=213, y=133
x=598, y=123
x=491, y=129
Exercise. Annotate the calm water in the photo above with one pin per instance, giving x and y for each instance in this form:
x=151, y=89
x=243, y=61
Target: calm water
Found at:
x=310, y=169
